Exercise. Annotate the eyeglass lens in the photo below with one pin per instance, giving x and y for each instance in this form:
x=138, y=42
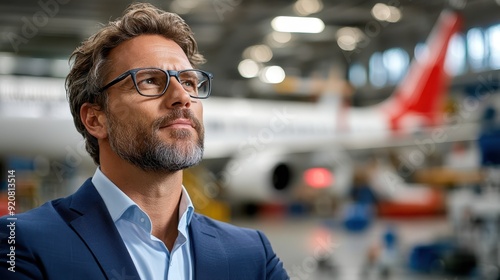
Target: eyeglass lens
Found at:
x=153, y=82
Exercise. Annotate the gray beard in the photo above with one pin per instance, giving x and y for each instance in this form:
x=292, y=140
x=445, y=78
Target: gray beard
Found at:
x=143, y=148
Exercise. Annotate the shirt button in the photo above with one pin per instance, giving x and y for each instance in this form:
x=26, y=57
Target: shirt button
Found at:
x=142, y=220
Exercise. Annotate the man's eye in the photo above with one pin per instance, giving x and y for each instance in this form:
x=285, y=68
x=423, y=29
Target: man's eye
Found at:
x=149, y=81
x=188, y=83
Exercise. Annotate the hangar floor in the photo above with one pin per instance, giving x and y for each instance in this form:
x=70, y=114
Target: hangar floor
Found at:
x=317, y=249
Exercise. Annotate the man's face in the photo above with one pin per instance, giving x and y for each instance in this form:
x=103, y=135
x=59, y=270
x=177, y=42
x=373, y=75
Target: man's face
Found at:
x=154, y=133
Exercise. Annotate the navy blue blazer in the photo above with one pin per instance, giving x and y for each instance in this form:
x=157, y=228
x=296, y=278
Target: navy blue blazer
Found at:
x=74, y=238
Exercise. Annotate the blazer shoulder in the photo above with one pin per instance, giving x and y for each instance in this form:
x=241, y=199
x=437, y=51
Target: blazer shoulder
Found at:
x=40, y=215
x=242, y=245
x=225, y=228
x=49, y=216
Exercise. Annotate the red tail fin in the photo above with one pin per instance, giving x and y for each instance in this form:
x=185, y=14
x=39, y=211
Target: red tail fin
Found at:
x=421, y=93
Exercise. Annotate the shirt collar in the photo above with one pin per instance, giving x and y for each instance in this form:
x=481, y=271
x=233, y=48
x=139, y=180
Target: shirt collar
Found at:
x=118, y=202
x=186, y=210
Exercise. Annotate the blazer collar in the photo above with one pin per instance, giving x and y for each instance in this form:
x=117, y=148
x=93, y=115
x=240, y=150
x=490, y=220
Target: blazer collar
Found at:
x=86, y=213
x=209, y=257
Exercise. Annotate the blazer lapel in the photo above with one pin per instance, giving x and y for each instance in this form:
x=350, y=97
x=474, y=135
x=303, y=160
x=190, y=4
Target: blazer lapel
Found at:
x=209, y=258
x=96, y=228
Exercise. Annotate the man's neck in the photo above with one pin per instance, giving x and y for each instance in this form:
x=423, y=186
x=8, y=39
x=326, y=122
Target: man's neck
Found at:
x=158, y=194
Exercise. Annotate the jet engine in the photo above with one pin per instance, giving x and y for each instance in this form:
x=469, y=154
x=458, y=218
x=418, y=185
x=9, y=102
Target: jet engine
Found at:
x=275, y=175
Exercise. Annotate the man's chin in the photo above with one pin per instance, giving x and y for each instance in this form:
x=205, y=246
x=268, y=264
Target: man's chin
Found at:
x=178, y=134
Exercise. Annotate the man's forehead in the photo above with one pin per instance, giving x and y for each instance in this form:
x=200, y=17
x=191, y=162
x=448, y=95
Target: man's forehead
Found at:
x=149, y=51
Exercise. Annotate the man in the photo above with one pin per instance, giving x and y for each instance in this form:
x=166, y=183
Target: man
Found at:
x=136, y=100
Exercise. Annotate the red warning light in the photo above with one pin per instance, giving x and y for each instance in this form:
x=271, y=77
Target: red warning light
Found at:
x=318, y=177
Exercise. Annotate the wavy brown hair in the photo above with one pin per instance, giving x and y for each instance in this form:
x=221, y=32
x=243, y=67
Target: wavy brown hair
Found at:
x=90, y=64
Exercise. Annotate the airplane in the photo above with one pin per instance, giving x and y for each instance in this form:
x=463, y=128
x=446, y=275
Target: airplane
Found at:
x=274, y=147
x=261, y=150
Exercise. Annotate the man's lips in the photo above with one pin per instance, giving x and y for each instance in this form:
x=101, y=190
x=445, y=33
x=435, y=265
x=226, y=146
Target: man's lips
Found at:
x=179, y=123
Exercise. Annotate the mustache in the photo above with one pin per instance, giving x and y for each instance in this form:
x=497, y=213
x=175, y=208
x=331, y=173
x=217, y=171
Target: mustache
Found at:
x=177, y=114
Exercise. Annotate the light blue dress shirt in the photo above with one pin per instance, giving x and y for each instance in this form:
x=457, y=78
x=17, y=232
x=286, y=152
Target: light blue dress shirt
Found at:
x=151, y=257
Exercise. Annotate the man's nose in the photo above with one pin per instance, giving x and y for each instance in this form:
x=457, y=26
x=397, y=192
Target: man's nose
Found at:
x=176, y=95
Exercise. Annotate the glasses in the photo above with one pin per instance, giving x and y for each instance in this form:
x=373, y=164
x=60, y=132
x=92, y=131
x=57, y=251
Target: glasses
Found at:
x=154, y=82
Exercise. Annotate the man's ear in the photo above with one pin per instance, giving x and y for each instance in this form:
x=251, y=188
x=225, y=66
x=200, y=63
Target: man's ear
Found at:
x=94, y=120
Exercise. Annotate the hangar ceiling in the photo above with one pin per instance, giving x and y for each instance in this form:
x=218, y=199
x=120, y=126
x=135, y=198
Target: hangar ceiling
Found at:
x=51, y=29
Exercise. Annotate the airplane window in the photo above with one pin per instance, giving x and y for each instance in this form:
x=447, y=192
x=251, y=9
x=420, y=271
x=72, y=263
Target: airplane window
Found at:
x=476, y=48
x=357, y=75
x=455, y=58
x=493, y=36
x=377, y=72
x=396, y=62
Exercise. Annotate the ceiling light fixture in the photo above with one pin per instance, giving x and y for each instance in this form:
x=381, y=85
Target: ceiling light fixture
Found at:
x=307, y=7
x=298, y=24
x=272, y=75
x=395, y=15
x=349, y=37
x=383, y=12
x=259, y=53
x=248, y=68
x=281, y=37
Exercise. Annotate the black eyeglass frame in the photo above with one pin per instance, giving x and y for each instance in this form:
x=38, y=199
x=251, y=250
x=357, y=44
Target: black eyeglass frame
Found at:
x=168, y=73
